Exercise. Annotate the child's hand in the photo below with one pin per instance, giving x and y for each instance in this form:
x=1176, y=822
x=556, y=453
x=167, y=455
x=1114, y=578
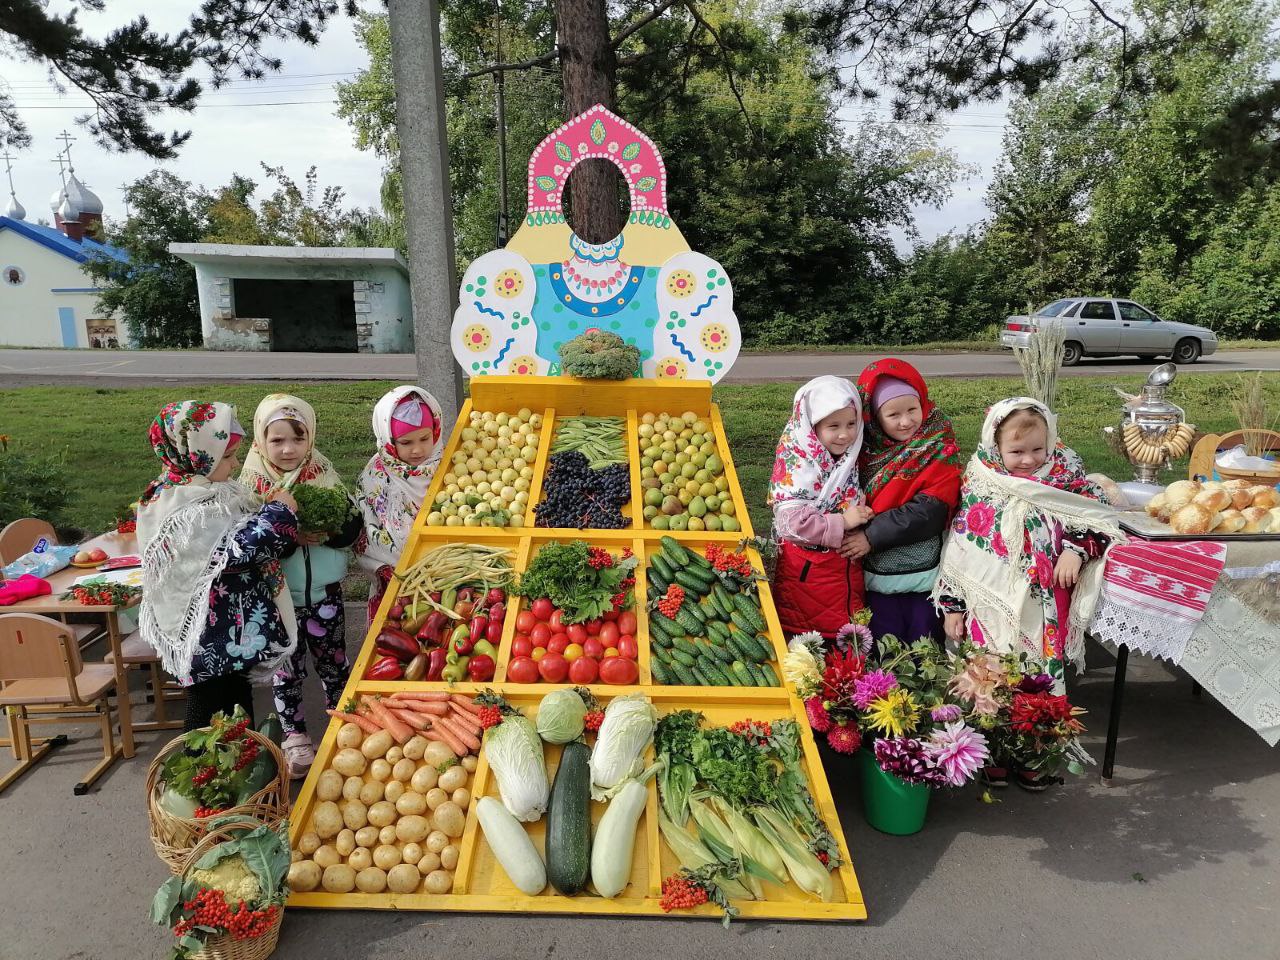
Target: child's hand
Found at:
x=953, y=624
x=1067, y=570
x=312, y=539
x=285, y=497
x=855, y=545
x=856, y=515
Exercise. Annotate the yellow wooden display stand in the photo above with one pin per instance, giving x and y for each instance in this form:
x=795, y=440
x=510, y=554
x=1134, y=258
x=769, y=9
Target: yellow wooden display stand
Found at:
x=479, y=882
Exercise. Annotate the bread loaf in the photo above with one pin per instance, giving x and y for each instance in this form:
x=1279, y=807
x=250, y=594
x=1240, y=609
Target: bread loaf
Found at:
x=1181, y=492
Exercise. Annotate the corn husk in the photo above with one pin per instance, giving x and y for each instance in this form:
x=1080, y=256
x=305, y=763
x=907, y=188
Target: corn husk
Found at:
x=806, y=870
x=752, y=845
x=693, y=854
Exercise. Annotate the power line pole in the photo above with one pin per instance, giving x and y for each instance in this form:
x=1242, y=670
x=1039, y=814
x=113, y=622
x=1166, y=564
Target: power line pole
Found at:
x=428, y=203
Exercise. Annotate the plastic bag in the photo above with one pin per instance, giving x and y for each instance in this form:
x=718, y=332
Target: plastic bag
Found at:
x=44, y=559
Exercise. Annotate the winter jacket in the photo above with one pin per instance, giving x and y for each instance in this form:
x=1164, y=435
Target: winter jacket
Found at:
x=311, y=570
x=816, y=589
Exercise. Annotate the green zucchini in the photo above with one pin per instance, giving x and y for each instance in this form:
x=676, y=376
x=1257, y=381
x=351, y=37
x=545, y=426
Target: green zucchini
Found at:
x=569, y=821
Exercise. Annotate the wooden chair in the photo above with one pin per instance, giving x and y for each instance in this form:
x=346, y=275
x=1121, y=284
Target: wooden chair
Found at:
x=20, y=536
x=41, y=672
x=135, y=652
x=1203, y=463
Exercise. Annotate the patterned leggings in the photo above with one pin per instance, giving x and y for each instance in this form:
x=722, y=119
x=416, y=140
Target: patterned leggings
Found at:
x=322, y=630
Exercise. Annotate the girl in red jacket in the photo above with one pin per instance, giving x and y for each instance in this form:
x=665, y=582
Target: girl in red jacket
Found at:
x=816, y=501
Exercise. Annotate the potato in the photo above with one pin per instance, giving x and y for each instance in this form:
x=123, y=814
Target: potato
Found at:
x=351, y=788
x=387, y=835
x=326, y=856
x=437, y=840
x=423, y=779
x=436, y=753
x=452, y=779
x=371, y=880
x=327, y=819
x=349, y=735
x=439, y=881
x=309, y=842
x=345, y=843
x=380, y=770
x=386, y=856
x=394, y=791
x=395, y=755
x=367, y=837
x=415, y=748
x=295, y=856
x=371, y=792
x=360, y=858
x=435, y=797
x=349, y=763
x=339, y=878
x=329, y=786
x=304, y=876
x=412, y=829
x=462, y=797
x=411, y=852
x=354, y=814
x=403, y=770
x=449, y=857
x=449, y=818
x=403, y=878
x=382, y=814
x=411, y=803
x=376, y=745
x=470, y=762
x=430, y=861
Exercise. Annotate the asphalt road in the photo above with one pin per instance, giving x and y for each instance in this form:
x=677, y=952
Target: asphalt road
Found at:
x=154, y=367
x=1176, y=860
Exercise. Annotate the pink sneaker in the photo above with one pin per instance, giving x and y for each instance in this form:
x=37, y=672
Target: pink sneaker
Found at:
x=299, y=754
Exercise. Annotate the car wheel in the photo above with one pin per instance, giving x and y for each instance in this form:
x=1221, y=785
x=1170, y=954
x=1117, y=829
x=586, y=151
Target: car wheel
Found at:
x=1071, y=353
x=1187, y=351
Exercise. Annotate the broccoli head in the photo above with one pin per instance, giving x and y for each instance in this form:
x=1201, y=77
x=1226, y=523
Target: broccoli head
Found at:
x=599, y=356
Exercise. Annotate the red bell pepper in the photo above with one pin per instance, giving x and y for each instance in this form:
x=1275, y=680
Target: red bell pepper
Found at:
x=387, y=668
x=493, y=632
x=435, y=663
x=432, y=631
x=460, y=642
x=396, y=643
x=477, y=627
x=480, y=669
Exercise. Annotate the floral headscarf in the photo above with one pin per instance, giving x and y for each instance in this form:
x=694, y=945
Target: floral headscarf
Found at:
x=804, y=471
x=263, y=476
x=190, y=438
x=895, y=471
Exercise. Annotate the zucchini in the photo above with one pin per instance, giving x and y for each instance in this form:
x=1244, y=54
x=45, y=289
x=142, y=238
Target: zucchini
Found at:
x=569, y=821
x=616, y=839
x=659, y=563
x=748, y=608
x=511, y=846
x=676, y=553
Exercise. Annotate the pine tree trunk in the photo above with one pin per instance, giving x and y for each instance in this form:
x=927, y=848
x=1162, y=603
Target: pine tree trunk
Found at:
x=589, y=76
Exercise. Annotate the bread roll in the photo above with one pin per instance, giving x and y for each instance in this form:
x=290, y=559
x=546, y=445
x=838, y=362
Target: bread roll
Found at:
x=1275, y=519
x=1212, y=485
x=1229, y=521
x=1256, y=520
x=1110, y=489
x=1181, y=492
x=1265, y=497
x=1192, y=518
x=1156, y=504
x=1240, y=495
x=1215, y=500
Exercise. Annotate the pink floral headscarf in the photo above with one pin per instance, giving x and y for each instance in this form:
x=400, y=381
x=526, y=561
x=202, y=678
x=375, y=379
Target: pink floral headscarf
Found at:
x=804, y=471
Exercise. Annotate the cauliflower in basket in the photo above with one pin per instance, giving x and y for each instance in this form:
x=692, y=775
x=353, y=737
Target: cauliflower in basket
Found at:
x=233, y=877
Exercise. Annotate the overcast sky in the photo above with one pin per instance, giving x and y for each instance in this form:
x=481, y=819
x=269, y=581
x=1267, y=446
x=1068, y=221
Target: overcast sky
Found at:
x=288, y=120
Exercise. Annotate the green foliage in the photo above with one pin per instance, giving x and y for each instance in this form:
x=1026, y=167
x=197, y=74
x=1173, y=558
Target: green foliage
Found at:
x=33, y=485
x=561, y=573
x=322, y=509
x=599, y=356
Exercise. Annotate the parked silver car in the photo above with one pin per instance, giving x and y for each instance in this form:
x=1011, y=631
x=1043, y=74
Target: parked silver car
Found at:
x=1110, y=328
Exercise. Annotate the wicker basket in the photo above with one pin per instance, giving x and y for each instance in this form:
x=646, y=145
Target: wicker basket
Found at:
x=1204, y=457
x=175, y=837
x=223, y=946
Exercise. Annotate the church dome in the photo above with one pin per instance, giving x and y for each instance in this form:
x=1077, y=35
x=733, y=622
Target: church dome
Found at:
x=15, y=210
x=82, y=198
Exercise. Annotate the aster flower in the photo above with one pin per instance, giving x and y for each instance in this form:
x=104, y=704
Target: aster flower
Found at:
x=894, y=714
x=959, y=752
x=872, y=686
x=908, y=759
x=946, y=713
x=844, y=738
x=819, y=719
x=857, y=630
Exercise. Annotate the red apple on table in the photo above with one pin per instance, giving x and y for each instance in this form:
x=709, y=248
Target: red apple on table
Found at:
x=97, y=555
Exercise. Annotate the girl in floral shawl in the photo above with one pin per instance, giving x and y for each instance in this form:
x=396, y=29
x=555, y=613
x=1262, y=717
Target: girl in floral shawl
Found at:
x=815, y=499
x=214, y=605
x=1015, y=574
x=407, y=425
x=910, y=467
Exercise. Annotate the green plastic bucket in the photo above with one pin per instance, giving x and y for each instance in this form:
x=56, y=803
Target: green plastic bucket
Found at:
x=889, y=804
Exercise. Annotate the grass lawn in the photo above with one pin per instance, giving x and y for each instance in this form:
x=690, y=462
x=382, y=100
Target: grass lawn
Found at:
x=102, y=432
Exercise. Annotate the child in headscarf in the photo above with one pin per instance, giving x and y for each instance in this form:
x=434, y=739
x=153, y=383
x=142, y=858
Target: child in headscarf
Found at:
x=816, y=501
x=910, y=468
x=1015, y=573
x=407, y=425
x=214, y=603
x=284, y=457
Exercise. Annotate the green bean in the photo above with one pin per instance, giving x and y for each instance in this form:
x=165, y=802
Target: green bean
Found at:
x=599, y=439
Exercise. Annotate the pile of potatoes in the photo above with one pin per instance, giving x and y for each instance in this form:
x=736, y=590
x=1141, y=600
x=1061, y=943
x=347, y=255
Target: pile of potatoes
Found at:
x=386, y=818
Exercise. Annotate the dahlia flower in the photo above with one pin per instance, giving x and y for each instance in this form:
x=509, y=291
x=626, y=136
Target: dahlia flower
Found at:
x=908, y=759
x=959, y=752
x=946, y=713
x=819, y=719
x=872, y=686
x=894, y=714
x=844, y=738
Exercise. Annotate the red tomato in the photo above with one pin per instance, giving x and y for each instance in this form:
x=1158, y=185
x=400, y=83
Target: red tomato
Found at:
x=521, y=646
x=577, y=632
x=592, y=647
x=610, y=615
x=557, y=643
x=525, y=621
x=542, y=609
x=540, y=634
x=609, y=634
x=627, y=622
x=583, y=670
x=619, y=671
x=522, y=670
x=627, y=647
x=593, y=627
x=554, y=668
x=557, y=619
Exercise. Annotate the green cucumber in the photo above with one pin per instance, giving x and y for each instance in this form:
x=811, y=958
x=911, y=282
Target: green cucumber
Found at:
x=656, y=583
x=718, y=631
x=684, y=644
x=758, y=678
x=659, y=563
x=764, y=646
x=700, y=563
x=697, y=611
x=724, y=599
x=743, y=622
x=569, y=821
x=664, y=623
x=684, y=676
x=689, y=623
x=691, y=583
x=748, y=608
x=720, y=652
x=703, y=679
x=703, y=574
x=709, y=670
x=680, y=656
x=660, y=674
x=742, y=651
x=743, y=674
x=769, y=675
x=674, y=550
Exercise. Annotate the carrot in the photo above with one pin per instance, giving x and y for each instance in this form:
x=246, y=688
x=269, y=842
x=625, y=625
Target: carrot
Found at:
x=399, y=730
x=465, y=720
x=420, y=695
x=466, y=703
x=422, y=706
x=415, y=720
x=448, y=740
x=364, y=723
x=440, y=723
